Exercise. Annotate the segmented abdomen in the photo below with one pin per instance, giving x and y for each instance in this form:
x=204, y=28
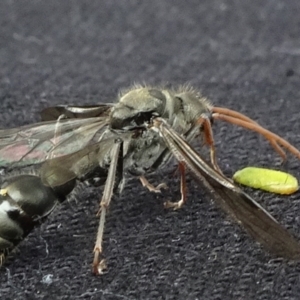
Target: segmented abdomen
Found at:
x=24, y=202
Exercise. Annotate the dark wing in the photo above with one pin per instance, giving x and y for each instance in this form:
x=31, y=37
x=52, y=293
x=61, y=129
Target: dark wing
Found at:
x=82, y=164
x=38, y=142
x=256, y=220
x=75, y=112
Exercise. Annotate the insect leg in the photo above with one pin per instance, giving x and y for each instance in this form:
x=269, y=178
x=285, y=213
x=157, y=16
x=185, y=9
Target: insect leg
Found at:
x=99, y=265
x=255, y=219
x=209, y=139
x=151, y=187
x=178, y=204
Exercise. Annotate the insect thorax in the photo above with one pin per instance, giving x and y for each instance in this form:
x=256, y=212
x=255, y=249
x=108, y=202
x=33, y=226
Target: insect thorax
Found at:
x=136, y=109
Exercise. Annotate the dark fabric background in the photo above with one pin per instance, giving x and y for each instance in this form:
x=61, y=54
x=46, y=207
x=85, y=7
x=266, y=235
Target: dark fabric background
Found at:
x=243, y=55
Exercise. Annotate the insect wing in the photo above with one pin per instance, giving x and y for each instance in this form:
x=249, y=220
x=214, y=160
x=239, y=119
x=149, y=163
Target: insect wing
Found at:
x=75, y=112
x=256, y=220
x=35, y=143
x=81, y=164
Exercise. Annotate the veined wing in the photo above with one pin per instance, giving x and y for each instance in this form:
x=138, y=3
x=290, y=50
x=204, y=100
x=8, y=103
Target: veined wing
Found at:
x=252, y=216
x=82, y=164
x=76, y=112
x=32, y=144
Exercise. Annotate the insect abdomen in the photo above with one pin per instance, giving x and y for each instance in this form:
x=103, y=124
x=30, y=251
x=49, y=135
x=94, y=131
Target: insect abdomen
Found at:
x=24, y=201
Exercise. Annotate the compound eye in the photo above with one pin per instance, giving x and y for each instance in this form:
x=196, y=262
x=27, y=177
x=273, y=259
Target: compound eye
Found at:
x=143, y=117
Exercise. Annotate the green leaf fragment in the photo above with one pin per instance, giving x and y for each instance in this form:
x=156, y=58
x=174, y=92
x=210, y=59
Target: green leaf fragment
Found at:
x=268, y=180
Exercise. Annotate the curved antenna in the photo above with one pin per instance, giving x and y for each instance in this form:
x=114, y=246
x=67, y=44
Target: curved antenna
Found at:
x=239, y=119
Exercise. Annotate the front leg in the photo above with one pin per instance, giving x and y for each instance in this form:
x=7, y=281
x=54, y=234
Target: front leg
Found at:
x=99, y=264
x=179, y=204
x=209, y=140
x=151, y=187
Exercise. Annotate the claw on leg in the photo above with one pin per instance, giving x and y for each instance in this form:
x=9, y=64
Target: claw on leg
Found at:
x=98, y=265
x=151, y=187
x=174, y=205
x=179, y=204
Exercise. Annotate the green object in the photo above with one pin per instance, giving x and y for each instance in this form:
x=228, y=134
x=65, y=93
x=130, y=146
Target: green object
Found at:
x=267, y=180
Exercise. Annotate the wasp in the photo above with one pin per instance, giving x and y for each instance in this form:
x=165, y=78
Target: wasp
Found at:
x=133, y=137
